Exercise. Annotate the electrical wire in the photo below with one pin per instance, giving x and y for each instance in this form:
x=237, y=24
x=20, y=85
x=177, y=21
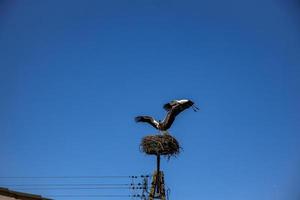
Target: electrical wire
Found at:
x=96, y=195
x=68, y=177
x=64, y=177
x=80, y=188
x=72, y=195
x=65, y=186
x=69, y=184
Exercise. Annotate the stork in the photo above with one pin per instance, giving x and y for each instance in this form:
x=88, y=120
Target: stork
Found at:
x=174, y=108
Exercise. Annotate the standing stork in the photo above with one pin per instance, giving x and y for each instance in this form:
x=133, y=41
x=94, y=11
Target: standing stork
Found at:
x=174, y=108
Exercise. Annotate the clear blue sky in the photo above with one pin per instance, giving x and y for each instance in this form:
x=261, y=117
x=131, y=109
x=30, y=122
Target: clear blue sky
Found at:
x=73, y=74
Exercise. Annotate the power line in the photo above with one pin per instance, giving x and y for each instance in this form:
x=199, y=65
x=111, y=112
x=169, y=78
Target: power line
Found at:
x=71, y=184
x=79, y=188
x=81, y=183
x=67, y=177
x=71, y=195
x=64, y=177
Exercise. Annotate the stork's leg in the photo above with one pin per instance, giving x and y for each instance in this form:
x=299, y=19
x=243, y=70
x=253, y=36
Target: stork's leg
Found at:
x=164, y=132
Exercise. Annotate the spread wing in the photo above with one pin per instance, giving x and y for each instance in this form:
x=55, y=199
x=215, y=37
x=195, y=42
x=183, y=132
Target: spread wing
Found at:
x=174, y=111
x=147, y=119
x=185, y=103
x=182, y=105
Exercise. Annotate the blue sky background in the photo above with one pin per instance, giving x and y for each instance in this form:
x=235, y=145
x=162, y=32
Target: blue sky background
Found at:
x=73, y=74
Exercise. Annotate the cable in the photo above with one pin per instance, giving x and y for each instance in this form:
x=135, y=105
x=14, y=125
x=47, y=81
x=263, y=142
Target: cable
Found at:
x=67, y=177
x=63, y=177
x=71, y=195
x=80, y=188
x=70, y=184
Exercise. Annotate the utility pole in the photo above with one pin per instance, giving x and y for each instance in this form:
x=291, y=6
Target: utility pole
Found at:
x=157, y=190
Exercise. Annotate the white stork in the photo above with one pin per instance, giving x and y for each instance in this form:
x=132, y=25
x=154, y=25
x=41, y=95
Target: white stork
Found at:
x=174, y=108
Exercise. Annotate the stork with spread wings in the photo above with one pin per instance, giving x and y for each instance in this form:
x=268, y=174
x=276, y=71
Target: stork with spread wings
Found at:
x=174, y=108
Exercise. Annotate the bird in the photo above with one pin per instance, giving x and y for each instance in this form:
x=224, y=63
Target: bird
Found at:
x=173, y=108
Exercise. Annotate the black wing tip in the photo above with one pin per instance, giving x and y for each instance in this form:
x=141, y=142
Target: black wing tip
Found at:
x=167, y=106
x=138, y=118
x=191, y=101
x=192, y=104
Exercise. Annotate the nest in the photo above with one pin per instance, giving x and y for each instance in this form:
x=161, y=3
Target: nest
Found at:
x=160, y=145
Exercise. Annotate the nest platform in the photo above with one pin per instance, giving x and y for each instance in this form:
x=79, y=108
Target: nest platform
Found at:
x=165, y=145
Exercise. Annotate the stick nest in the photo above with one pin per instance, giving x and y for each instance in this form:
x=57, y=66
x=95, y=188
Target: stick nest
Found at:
x=160, y=145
